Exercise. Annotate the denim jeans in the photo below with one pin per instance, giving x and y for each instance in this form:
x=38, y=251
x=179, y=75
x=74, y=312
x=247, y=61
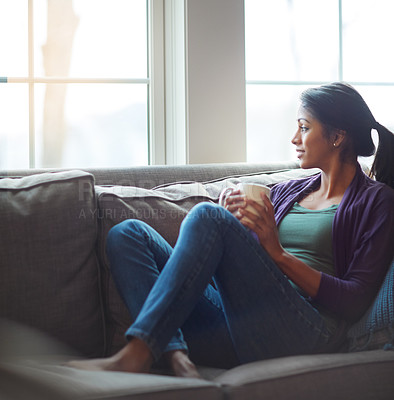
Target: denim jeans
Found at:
x=216, y=294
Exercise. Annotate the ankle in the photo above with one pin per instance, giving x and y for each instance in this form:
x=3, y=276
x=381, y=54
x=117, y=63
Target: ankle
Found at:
x=136, y=356
x=181, y=364
x=175, y=356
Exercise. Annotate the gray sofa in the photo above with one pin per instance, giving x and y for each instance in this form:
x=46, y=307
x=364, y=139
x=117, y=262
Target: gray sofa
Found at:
x=58, y=301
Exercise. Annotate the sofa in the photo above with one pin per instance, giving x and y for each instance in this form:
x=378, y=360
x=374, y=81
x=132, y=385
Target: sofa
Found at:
x=58, y=300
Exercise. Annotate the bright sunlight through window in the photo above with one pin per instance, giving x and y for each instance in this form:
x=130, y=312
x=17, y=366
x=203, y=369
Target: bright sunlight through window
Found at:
x=74, y=83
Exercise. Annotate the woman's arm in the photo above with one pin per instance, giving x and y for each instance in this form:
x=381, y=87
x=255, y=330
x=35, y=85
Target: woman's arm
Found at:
x=305, y=277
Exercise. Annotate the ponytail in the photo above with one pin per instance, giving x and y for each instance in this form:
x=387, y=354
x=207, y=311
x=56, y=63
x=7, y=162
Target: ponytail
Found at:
x=383, y=165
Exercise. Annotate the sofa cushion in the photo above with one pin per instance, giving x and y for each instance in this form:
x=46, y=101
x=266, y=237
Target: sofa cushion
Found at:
x=163, y=208
x=48, y=266
x=41, y=381
x=376, y=328
x=363, y=376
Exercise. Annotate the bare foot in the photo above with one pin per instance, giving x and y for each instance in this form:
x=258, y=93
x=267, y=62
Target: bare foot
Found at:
x=182, y=365
x=134, y=357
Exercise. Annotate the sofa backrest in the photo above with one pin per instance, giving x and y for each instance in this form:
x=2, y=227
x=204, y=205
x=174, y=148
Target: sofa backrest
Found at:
x=154, y=175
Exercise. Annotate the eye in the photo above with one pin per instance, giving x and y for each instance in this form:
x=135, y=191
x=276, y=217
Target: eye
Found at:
x=303, y=129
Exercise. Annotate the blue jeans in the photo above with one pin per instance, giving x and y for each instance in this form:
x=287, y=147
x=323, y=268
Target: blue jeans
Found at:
x=251, y=312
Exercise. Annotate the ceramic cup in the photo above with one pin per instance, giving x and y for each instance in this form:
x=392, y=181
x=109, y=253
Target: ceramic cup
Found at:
x=251, y=191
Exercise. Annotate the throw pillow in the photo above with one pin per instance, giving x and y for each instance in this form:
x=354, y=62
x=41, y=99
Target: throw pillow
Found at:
x=48, y=266
x=375, y=329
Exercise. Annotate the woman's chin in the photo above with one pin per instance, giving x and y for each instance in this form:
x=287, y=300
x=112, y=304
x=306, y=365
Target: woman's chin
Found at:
x=305, y=165
x=301, y=162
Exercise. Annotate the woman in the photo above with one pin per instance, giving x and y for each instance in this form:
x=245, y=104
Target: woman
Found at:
x=323, y=247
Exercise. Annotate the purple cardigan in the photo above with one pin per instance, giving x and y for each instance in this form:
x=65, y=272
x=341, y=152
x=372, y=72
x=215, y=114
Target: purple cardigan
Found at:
x=363, y=240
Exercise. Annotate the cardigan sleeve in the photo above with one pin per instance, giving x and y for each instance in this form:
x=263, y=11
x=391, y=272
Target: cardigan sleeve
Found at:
x=364, y=250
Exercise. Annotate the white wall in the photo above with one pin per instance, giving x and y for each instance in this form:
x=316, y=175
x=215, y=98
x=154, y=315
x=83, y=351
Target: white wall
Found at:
x=205, y=112
x=215, y=81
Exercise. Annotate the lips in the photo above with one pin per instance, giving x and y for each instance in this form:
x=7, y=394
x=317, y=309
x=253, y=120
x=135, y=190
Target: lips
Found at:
x=299, y=152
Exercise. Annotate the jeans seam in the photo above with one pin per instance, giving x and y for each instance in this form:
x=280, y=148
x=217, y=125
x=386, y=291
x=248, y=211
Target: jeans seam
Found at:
x=211, y=303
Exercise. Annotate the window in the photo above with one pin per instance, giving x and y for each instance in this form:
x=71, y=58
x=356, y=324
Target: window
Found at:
x=294, y=44
x=75, y=83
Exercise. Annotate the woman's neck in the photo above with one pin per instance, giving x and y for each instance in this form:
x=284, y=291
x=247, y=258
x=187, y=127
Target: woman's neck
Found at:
x=334, y=182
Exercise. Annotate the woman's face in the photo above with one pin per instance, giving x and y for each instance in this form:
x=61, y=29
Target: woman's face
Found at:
x=313, y=149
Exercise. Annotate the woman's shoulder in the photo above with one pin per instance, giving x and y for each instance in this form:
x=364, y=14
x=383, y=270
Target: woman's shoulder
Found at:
x=367, y=188
x=369, y=196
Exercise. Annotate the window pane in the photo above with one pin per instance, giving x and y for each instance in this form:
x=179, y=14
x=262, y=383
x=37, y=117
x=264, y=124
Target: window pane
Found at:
x=13, y=38
x=380, y=100
x=271, y=121
x=91, y=125
x=14, y=126
x=91, y=38
x=291, y=39
x=368, y=40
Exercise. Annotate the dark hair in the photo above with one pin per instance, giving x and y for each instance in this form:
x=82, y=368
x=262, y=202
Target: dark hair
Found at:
x=339, y=106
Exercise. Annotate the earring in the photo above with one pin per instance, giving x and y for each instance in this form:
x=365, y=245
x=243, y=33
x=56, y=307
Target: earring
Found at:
x=335, y=145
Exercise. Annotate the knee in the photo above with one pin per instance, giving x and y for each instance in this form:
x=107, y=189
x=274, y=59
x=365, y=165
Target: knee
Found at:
x=123, y=232
x=207, y=210
x=205, y=214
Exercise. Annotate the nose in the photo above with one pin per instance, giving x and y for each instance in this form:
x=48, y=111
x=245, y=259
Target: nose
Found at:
x=296, y=139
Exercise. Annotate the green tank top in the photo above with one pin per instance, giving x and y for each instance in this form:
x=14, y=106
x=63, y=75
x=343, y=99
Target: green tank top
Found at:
x=307, y=234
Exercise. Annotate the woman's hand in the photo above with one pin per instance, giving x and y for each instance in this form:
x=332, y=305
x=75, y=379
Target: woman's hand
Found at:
x=232, y=200
x=263, y=225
